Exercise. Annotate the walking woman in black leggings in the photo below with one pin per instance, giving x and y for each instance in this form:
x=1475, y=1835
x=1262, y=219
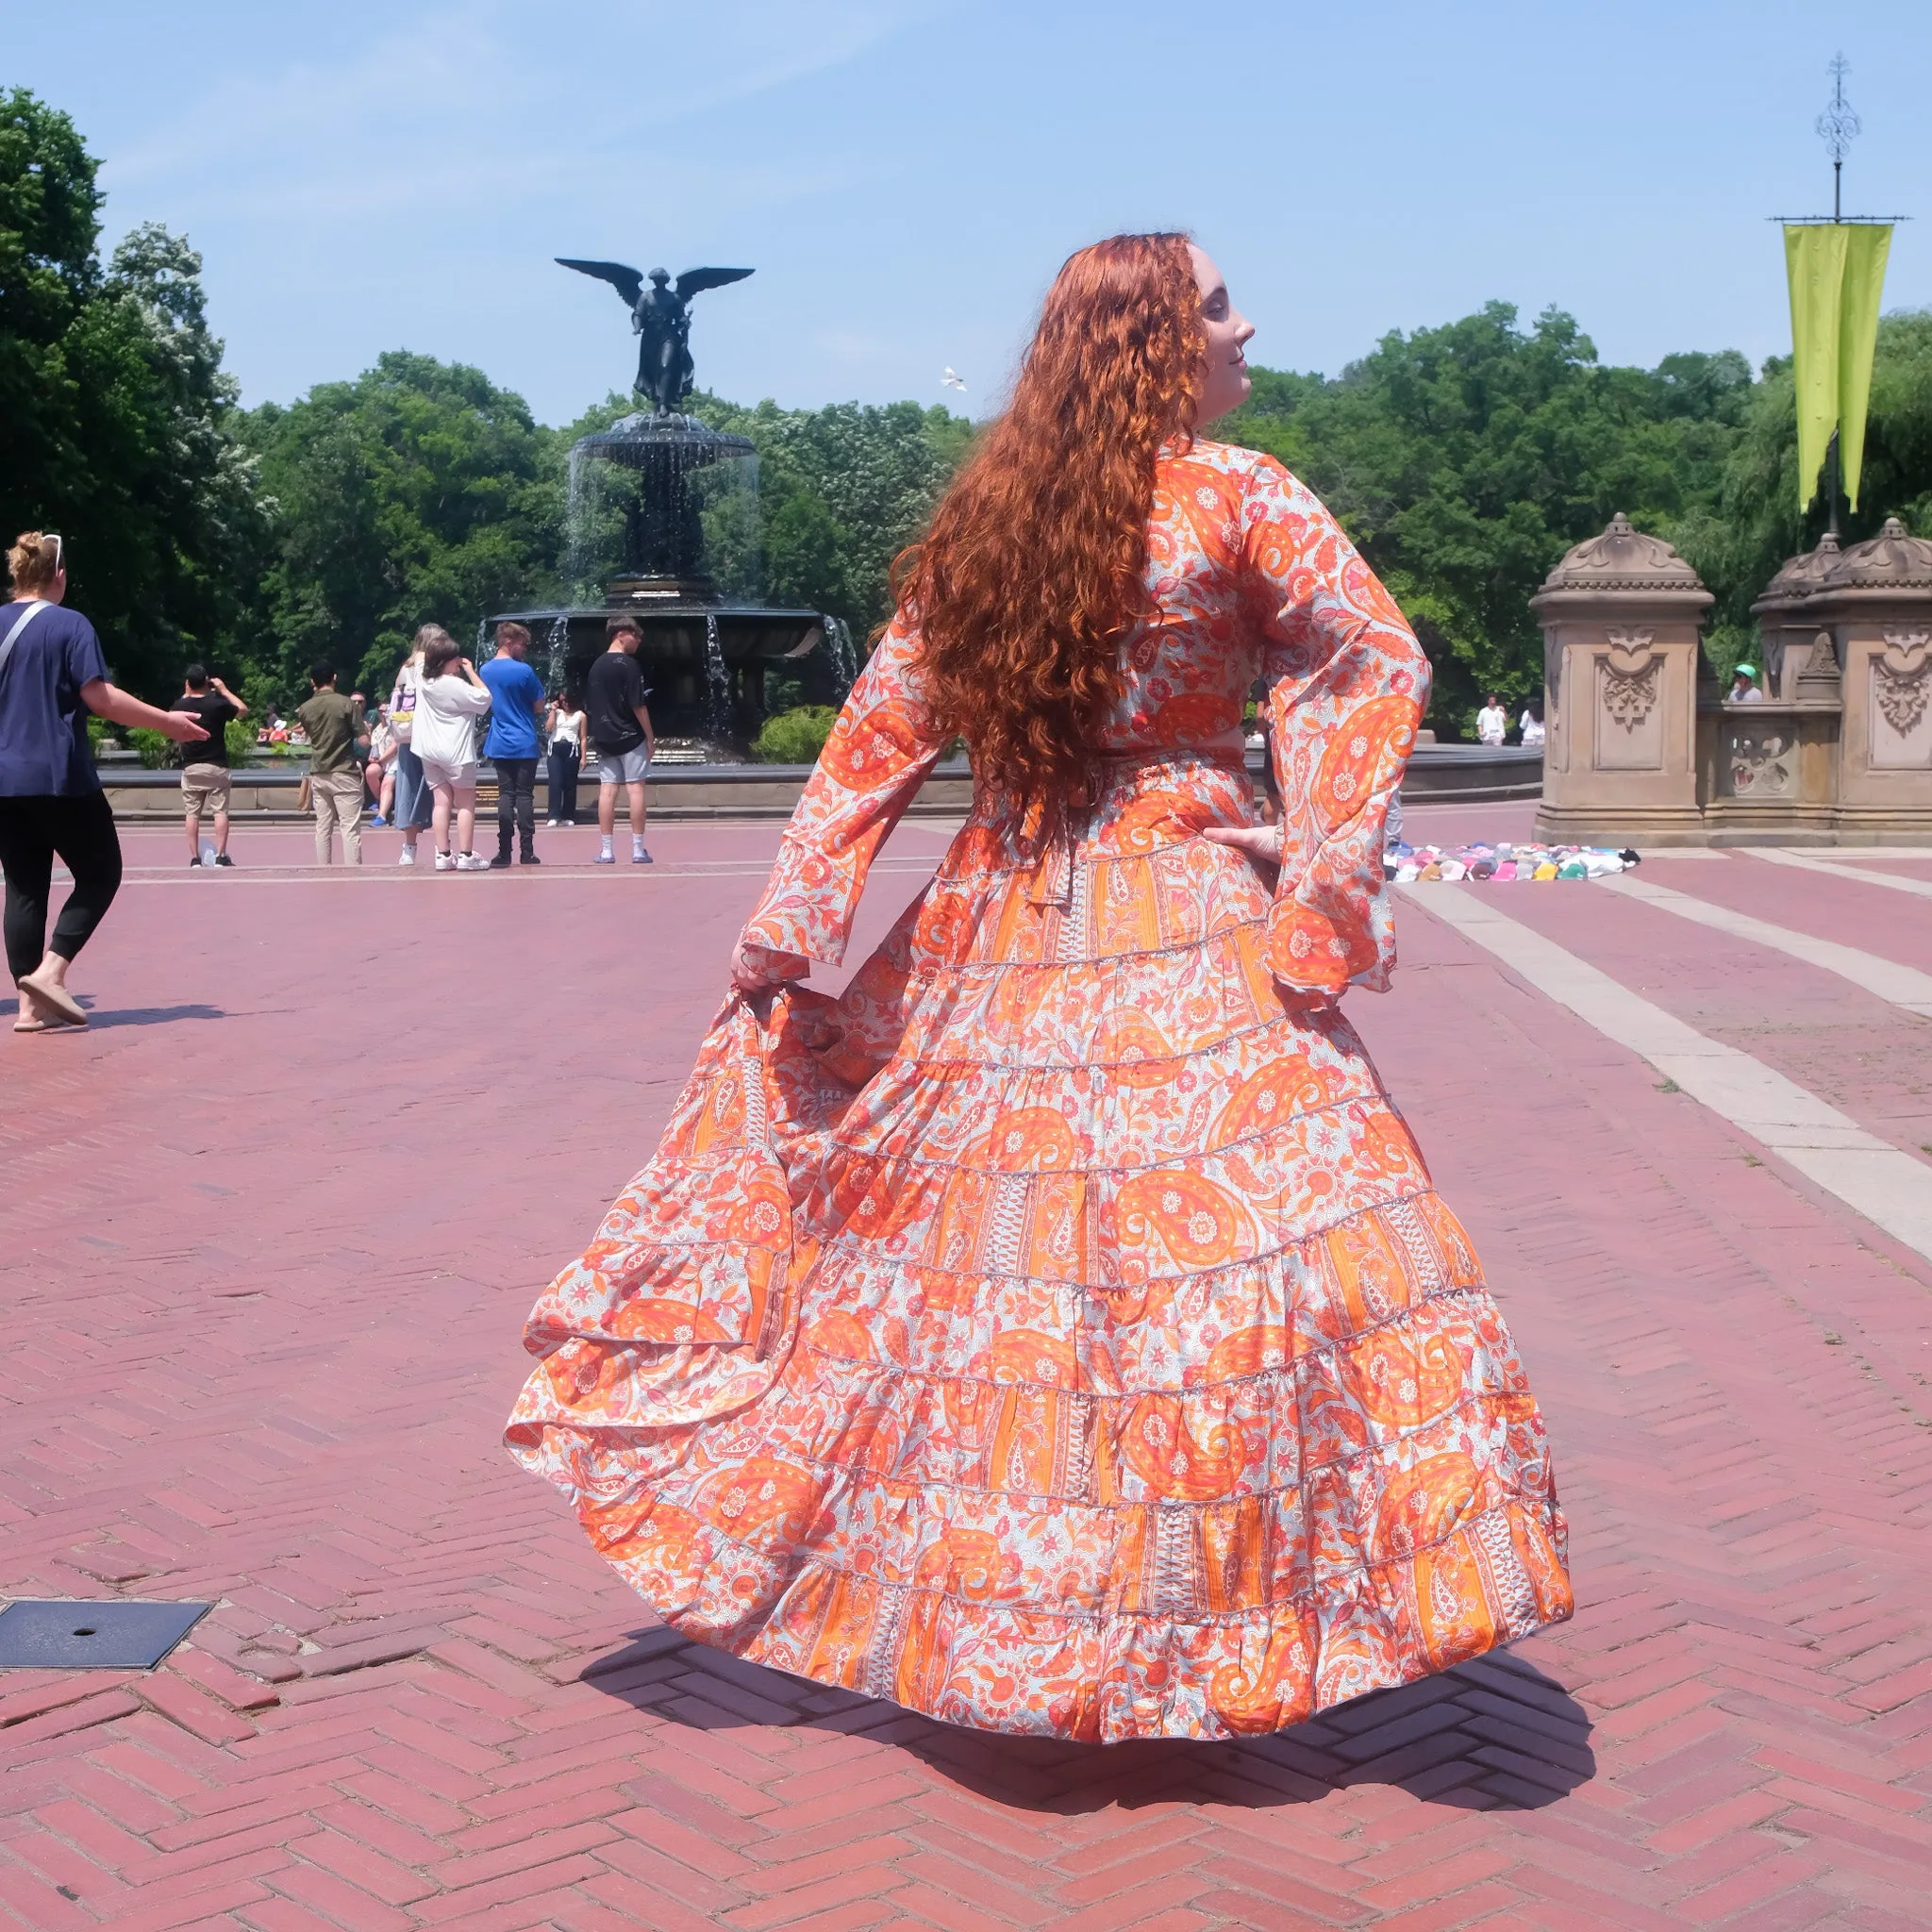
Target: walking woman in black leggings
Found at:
x=51, y=675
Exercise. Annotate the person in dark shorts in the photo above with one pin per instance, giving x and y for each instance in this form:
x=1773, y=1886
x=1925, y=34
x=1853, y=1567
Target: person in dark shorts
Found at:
x=205, y=780
x=621, y=730
x=51, y=675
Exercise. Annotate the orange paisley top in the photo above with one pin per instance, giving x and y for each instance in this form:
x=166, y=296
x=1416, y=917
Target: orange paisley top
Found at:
x=1248, y=576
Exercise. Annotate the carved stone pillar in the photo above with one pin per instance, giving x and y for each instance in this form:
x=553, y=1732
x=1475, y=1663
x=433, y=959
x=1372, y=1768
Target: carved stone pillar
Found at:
x=1621, y=615
x=1769, y=770
x=1876, y=605
x=1785, y=630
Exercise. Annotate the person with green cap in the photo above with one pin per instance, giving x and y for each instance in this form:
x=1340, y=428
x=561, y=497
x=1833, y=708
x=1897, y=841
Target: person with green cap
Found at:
x=1743, y=688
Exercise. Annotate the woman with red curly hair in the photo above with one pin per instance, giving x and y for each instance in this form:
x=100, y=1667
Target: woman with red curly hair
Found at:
x=1057, y=1331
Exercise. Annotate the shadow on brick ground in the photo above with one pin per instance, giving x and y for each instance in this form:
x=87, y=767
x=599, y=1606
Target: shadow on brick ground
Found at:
x=1492, y=1734
x=99, y=1018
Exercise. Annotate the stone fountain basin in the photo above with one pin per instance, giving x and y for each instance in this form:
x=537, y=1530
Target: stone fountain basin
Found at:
x=675, y=633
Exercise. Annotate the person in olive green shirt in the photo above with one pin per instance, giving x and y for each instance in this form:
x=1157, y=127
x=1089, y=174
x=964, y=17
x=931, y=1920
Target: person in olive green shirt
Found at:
x=335, y=728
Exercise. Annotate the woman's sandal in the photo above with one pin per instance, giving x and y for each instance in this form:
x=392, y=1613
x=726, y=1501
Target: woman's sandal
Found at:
x=33, y=1025
x=54, y=1003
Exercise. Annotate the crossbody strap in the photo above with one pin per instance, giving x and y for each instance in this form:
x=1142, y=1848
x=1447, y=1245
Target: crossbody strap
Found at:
x=20, y=624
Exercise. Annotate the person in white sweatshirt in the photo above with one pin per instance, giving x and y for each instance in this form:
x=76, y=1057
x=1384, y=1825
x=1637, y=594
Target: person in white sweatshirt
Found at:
x=450, y=698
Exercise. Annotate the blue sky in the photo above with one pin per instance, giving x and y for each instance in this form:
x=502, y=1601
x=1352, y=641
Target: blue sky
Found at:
x=906, y=174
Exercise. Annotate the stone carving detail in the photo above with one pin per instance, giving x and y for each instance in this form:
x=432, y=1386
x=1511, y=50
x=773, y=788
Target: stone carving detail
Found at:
x=1629, y=695
x=1760, y=763
x=1902, y=693
x=1822, y=662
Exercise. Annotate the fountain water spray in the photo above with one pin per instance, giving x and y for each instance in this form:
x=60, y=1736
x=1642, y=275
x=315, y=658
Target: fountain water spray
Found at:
x=844, y=659
x=716, y=686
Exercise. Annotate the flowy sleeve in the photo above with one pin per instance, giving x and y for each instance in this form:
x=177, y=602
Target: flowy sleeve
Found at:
x=874, y=761
x=1349, y=683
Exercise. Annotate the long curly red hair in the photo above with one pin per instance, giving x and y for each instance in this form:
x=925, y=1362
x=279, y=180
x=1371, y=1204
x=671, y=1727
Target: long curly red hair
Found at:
x=1035, y=565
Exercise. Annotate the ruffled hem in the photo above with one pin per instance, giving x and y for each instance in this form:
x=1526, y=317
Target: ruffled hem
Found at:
x=951, y=1650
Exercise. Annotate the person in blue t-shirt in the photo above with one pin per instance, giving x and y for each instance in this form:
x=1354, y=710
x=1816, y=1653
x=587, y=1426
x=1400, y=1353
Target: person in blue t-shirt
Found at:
x=516, y=703
x=51, y=675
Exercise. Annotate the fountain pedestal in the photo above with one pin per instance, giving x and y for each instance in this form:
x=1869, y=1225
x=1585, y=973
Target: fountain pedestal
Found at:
x=672, y=498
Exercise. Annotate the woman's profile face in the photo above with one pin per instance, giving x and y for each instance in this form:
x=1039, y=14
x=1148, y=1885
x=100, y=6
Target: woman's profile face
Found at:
x=1225, y=382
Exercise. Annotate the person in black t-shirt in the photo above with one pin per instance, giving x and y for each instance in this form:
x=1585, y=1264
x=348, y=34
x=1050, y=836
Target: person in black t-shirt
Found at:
x=621, y=730
x=204, y=778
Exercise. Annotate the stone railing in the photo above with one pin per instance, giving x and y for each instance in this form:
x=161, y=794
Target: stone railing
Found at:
x=1469, y=773
x=1644, y=748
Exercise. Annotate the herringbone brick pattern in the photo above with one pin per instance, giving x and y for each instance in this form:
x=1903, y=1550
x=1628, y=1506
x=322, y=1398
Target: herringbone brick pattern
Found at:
x=270, y=1232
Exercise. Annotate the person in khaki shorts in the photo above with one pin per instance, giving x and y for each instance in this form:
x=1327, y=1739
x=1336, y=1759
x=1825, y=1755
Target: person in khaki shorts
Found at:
x=335, y=728
x=205, y=769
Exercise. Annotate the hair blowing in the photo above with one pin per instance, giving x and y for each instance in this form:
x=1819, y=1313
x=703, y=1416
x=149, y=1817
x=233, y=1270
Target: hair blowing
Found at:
x=1035, y=566
x=31, y=561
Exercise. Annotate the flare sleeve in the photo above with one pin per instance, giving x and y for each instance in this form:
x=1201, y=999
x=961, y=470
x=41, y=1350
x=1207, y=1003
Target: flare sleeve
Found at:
x=1350, y=684
x=874, y=761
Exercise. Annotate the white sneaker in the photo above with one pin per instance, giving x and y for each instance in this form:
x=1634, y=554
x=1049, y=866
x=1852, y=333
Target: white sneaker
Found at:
x=549, y=821
x=444, y=862
x=472, y=861
x=408, y=855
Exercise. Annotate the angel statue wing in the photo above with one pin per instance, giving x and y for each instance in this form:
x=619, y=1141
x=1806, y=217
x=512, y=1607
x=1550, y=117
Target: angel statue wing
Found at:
x=694, y=280
x=626, y=281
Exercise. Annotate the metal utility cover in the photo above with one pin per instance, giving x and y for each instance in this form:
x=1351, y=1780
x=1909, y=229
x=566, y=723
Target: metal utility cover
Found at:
x=40, y=1634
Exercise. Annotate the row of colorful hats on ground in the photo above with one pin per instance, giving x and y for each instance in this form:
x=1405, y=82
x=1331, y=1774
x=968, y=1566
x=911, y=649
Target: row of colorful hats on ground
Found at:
x=1503, y=862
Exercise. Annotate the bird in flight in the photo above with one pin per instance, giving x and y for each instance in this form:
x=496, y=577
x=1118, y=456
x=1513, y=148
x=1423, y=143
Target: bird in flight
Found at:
x=951, y=380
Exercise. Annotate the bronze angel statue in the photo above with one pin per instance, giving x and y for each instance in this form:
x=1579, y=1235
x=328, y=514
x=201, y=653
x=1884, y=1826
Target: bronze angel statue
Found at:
x=661, y=318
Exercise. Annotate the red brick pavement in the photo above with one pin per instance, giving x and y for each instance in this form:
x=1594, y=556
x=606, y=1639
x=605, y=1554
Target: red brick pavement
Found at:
x=1895, y=926
x=1868, y=1058
x=271, y=1230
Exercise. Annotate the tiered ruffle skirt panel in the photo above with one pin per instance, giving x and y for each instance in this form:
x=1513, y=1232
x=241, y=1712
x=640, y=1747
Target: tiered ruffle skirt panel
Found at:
x=1057, y=1333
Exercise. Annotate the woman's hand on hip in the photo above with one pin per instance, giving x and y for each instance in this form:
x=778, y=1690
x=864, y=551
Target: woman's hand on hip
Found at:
x=1261, y=843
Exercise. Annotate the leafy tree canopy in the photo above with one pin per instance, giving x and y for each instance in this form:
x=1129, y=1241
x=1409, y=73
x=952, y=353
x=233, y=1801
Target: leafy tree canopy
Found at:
x=1464, y=460
x=114, y=412
x=417, y=493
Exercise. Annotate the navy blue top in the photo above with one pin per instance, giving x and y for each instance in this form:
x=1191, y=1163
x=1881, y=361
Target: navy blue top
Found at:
x=516, y=696
x=43, y=748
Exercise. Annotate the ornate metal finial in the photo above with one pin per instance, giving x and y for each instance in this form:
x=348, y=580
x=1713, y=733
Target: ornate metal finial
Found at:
x=1838, y=128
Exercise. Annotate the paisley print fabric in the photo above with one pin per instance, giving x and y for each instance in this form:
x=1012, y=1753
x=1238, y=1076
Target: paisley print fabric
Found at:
x=1057, y=1332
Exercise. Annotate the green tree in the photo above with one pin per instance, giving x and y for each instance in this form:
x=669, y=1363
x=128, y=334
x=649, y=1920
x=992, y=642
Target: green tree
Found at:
x=418, y=493
x=1464, y=460
x=1739, y=541
x=116, y=422
x=843, y=489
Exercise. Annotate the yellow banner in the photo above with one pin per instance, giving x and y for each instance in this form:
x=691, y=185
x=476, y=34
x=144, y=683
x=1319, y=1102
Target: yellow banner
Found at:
x=1857, y=334
x=1837, y=274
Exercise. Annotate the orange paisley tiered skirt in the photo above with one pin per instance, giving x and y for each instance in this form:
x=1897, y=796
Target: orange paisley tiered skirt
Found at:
x=1057, y=1332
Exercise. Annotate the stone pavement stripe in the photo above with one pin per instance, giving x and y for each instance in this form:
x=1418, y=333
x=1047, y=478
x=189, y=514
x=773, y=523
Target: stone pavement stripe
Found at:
x=1885, y=1185
x=1864, y=874
x=1904, y=986
x=1860, y=1054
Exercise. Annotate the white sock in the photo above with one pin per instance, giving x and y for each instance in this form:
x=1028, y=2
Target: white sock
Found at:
x=606, y=845
x=637, y=843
